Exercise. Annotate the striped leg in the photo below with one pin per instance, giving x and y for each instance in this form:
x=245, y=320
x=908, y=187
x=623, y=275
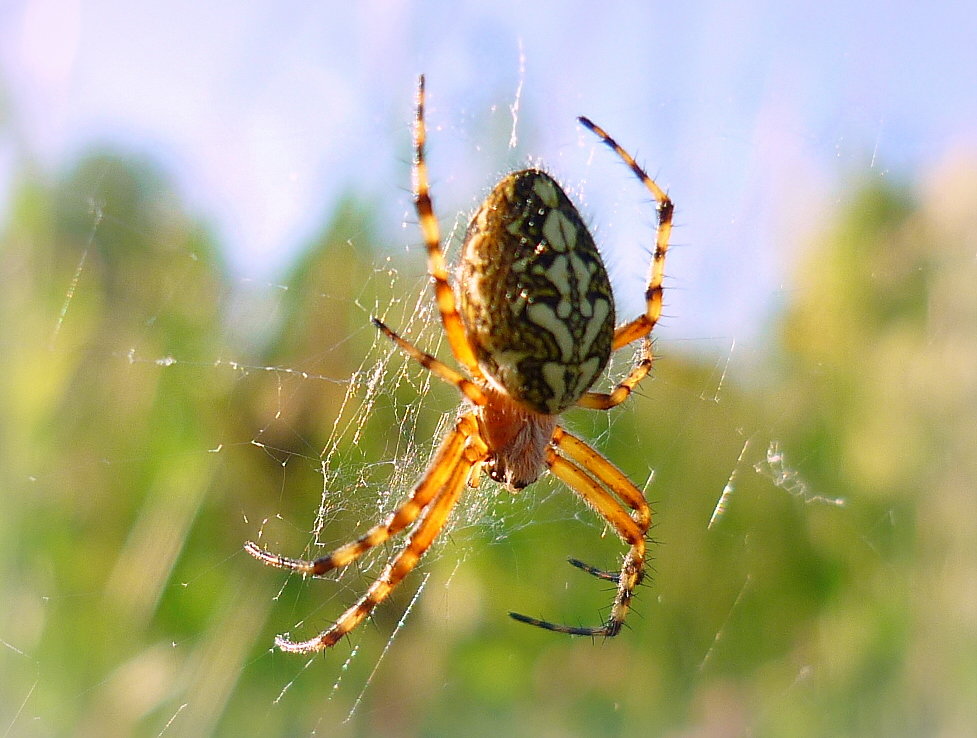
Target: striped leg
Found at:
x=400, y=566
x=444, y=461
x=590, y=475
x=432, y=500
x=453, y=328
x=441, y=370
x=607, y=400
x=642, y=325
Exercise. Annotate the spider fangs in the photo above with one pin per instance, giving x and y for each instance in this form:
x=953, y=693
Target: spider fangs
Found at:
x=532, y=324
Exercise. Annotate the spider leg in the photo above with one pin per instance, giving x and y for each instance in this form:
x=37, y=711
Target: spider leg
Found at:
x=611, y=576
x=444, y=460
x=642, y=325
x=438, y=368
x=444, y=295
x=587, y=473
x=421, y=538
x=607, y=400
x=605, y=472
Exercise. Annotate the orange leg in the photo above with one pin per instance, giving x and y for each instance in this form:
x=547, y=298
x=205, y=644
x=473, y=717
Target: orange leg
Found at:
x=604, y=400
x=642, y=325
x=587, y=473
x=433, y=499
x=445, y=296
x=400, y=566
x=447, y=456
x=441, y=370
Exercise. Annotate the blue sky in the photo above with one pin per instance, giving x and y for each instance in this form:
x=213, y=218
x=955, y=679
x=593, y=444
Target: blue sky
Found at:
x=754, y=115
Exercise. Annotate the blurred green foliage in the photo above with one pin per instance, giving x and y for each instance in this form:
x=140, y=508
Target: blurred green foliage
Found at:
x=153, y=414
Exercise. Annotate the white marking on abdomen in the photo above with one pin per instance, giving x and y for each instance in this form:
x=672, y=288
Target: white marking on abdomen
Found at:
x=559, y=232
x=543, y=316
x=596, y=322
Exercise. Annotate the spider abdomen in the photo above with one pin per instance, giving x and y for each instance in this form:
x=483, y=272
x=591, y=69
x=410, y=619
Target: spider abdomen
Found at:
x=535, y=297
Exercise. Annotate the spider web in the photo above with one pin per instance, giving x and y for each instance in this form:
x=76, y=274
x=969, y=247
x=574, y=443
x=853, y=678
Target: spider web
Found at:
x=355, y=486
x=366, y=490
x=184, y=619
x=329, y=490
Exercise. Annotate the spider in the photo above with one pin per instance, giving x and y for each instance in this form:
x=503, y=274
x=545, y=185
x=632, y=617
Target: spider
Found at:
x=531, y=321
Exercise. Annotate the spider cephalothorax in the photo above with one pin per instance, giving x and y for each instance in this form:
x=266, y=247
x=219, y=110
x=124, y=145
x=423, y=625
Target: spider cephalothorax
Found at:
x=517, y=438
x=534, y=331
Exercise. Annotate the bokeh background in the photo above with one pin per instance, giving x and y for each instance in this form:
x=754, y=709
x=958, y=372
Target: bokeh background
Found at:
x=203, y=204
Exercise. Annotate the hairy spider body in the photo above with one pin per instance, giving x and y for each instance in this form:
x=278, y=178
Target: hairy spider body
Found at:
x=535, y=297
x=532, y=325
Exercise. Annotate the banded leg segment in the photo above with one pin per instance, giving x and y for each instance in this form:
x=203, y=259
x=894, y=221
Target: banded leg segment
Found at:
x=642, y=325
x=441, y=370
x=447, y=457
x=590, y=475
x=606, y=473
x=607, y=400
x=445, y=296
x=632, y=570
x=433, y=521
